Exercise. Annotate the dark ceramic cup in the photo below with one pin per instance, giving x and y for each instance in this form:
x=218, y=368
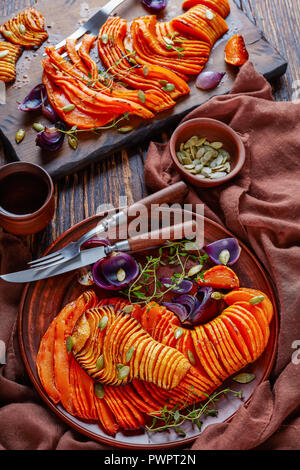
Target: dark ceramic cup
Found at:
x=26, y=198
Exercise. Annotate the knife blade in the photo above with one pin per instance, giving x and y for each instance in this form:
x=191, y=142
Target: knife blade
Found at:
x=85, y=258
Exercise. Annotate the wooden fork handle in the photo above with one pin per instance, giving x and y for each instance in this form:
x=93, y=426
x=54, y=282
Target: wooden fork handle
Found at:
x=161, y=236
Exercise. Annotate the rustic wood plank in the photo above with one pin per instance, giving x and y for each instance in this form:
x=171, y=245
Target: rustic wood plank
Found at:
x=80, y=194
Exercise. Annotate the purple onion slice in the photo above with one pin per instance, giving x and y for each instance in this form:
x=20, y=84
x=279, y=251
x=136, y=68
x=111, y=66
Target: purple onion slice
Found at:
x=184, y=287
x=226, y=251
x=115, y=271
x=155, y=5
x=33, y=101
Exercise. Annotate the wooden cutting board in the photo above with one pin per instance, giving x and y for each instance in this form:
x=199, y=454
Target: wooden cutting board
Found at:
x=65, y=16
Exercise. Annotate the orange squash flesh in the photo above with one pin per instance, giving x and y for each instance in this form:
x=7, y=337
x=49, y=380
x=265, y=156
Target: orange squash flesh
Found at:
x=219, y=277
x=235, y=51
x=221, y=7
x=33, y=23
x=244, y=294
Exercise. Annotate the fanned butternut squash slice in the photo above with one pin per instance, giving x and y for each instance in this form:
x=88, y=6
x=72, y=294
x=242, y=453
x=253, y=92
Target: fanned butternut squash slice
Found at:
x=245, y=294
x=121, y=63
x=221, y=7
x=10, y=54
x=202, y=23
x=26, y=29
x=192, y=48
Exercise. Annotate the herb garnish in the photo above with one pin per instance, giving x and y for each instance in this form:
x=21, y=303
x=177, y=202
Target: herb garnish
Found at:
x=174, y=418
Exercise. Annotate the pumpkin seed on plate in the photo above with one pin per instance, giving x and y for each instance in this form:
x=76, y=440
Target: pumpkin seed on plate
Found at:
x=195, y=270
x=191, y=357
x=218, y=174
x=189, y=167
x=129, y=354
x=216, y=145
x=99, y=390
x=103, y=322
x=178, y=333
x=123, y=372
x=69, y=344
x=256, y=300
x=224, y=256
x=200, y=152
x=244, y=378
x=100, y=362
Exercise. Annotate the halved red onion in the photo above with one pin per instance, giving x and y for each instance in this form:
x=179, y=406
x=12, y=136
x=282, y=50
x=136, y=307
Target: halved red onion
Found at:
x=179, y=310
x=49, y=112
x=226, y=251
x=51, y=139
x=207, y=80
x=115, y=271
x=184, y=287
x=155, y=5
x=33, y=101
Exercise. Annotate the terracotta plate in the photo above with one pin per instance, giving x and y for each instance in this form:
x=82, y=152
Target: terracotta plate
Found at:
x=41, y=301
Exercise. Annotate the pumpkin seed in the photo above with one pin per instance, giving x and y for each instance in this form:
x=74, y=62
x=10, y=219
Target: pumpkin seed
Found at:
x=119, y=366
x=73, y=141
x=217, y=296
x=209, y=15
x=256, y=300
x=224, y=256
x=100, y=362
x=141, y=96
x=20, y=134
x=103, y=322
x=216, y=145
x=104, y=38
x=127, y=308
x=206, y=171
x=201, y=141
x=244, y=378
x=198, y=168
x=169, y=87
x=195, y=270
x=123, y=372
x=189, y=167
x=163, y=82
x=218, y=174
x=68, y=108
x=99, y=390
x=145, y=71
x=129, y=354
x=191, y=357
x=69, y=344
x=125, y=129
x=178, y=333
x=37, y=126
x=187, y=161
x=7, y=34
x=200, y=153
x=22, y=29
x=121, y=275
x=4, y=53
x=180, y=156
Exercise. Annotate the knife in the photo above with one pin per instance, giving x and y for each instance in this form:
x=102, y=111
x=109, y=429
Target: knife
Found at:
x=90, y=256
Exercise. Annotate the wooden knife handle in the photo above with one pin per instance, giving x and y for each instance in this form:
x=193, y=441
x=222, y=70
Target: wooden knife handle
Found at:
x=172, y=193
x=161, y=236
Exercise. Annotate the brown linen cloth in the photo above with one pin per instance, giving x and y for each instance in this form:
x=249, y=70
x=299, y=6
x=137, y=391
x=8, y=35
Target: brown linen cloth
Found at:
x=261, y=207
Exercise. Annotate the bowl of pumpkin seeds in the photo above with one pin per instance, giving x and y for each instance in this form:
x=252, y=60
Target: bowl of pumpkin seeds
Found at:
x=207, y=152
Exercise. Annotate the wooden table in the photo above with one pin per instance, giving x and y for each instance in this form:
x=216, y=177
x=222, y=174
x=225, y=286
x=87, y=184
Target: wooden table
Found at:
x=79, y=195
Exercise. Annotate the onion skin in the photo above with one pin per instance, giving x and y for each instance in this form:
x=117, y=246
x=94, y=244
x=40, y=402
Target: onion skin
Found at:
x=193, y=311
x=214, y=249
x=49, y=112
x=184, y=287
x=208, y=80
x=155, y=5
x=51, y=139
x=105, y=271
x=33, y=101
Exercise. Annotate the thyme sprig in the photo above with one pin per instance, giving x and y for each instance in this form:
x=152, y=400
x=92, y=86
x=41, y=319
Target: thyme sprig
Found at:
x=174, y=418
x=73, y=132
x=172, y=253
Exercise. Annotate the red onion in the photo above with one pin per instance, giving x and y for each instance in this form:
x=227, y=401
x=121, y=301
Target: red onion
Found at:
x=226, y=251
x=49, y=112
x=192, y=310
x=208, y=80
x=155, y=5
x=115, y=271
x=184, y=287
x=51, y=139
x=33, y=101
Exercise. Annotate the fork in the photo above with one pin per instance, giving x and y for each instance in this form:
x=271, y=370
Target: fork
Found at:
x=93, y=24
x=167, y=195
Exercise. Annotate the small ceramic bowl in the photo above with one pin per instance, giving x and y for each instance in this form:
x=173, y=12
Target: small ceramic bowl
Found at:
x=30, y=182
x=214, y=131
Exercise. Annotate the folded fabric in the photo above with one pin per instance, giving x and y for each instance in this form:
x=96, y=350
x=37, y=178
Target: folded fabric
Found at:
x=261, y=206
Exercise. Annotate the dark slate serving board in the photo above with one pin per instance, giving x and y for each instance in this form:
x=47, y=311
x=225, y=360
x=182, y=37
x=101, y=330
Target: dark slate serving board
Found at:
x=62, y=18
